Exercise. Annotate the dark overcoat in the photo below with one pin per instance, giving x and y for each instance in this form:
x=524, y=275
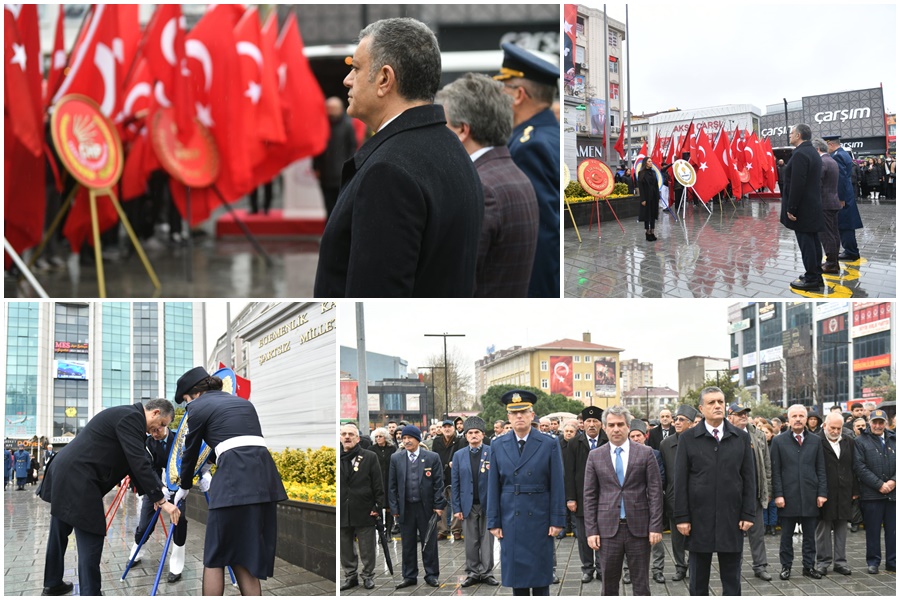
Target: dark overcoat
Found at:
x=109, y=447
x=408, y=218
x=649, y=189
x=362, y=489
x=848, y=217
x=534, y=147
x=526, y=496
x=575, y=459
x=802, y=195
x=244, y=475
x=509, y=233
x=715, y=487
x=431, y=483
x=830, y=178
x=798, y=474
x=668, y=449
x=875, y=464
x=23, y=463
x=842, y=482
x=384, y=454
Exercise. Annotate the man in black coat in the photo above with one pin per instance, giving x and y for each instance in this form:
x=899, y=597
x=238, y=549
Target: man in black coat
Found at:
x=341, y=146
x=408, y=218
x=446, y=445
x=665, y=429
x=875, y=464
x=415, y=492
x=109, y=447
x=843, y=488
x=684, y=420
x=801, y=205
x=574, y=461
x=362, y=497
x=800, y=488
x=715, y=494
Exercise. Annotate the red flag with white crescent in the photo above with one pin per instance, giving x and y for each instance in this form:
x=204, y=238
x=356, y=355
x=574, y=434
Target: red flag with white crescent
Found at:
x=561, y=375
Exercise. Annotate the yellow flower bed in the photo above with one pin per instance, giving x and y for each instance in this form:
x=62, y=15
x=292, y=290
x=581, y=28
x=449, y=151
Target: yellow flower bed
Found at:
x=309, y=475
x=317, y=494
x=580, y=199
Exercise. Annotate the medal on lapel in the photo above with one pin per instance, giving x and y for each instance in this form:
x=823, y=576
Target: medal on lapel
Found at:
x=356, y=463
x=484, y=461
x=427, y=472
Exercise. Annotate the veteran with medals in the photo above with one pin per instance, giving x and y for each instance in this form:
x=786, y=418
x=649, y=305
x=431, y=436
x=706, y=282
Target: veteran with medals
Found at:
x=241, y=527
x=526, y=499
x=362, y=496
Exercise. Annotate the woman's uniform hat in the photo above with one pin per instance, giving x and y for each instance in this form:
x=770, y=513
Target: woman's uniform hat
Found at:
x=187, y=381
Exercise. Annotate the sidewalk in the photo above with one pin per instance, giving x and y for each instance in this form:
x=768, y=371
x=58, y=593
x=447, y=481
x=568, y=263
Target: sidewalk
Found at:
x=27, y=521
x=452, y=562
x=742, y=252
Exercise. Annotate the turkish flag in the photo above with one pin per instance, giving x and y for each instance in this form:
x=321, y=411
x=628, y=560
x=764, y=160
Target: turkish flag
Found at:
x=723, y=153
x=302, y=102
x=711, y=177
x=140, y=160
x=620, y=143
x=637, y=161
x=687, y=143
x=656, y=155
x=78, y=224
x=243, y=385
x=561, y=375
x=260, y=79
x=58, y=59
x=737, y=151
x=24, y=201
x=570, y=19
x=770, y=175
x=753, y=158
x=164, y=49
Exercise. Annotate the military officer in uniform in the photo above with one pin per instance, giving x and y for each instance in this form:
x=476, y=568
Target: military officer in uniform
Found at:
x=526, y=499
x=534, y=147
x=469, y=485
x=22, y=458
x=848, y=217
x=241, y=528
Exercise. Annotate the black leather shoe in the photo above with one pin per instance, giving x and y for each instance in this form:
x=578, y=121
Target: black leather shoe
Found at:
x=490, y=581
x=555, y=578
x=58, y=590
x=432, y=581
x=854, y=527
x=764, y=575
x=872, y=570
x=349, y=583
x=799, y=284
x=172, y=578
x=627, y=578
x=811, y=573
x=658, y=578
x=785, y=573
x=470, y=581
x=890, y=568
x=679, y=575
x=847, y=257
x=822, y=571
x=842, y=570
x=405, y=583
x=586, y=578
x=368, y=582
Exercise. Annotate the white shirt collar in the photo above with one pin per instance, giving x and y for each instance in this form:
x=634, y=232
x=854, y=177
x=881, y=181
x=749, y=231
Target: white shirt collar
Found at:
x=519, y=439
x=385, y=124
x=720, y=428
x=477, y=154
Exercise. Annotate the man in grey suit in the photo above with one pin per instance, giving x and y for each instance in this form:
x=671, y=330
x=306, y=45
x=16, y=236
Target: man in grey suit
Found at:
x=481, y=115
x=415, y=491
x=831, y=205
x=800, y=487
x=622, y=504
x=469, y=488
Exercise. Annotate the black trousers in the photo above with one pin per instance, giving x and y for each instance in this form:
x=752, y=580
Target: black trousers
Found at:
x=848, y=241
x=538, y=591
x=875, y=514
x=786, y=552
x=90, y=549
x=414, y=525
x=729, y=572
x=811, y=251
x=147, y=514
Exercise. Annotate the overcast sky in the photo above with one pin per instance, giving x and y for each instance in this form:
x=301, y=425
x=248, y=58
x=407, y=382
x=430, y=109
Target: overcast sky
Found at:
x=216, y=323
x=689, y=55
x=657, y=332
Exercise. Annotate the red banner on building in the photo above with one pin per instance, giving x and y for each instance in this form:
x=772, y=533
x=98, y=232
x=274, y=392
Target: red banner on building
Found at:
x=872, y=362
x=349, y=408
x=561, y=375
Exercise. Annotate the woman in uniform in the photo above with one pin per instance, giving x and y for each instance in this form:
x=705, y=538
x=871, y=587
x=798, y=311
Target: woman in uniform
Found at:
x=649, y=188
x=241, y=528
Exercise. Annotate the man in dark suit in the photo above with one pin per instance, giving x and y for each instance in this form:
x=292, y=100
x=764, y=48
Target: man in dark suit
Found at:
x=110, y=447
x=715, y=494
x=684, y=420
x=469, y=497
x=575, y=459
x=665, y=429
x=362, y=497
x=622, y=504
x=480, y=114
x=875, y=463
x=526, y=499
x=843, y=488
x=445, y=445
x=534, y=146
x=801, y=205
x=415, y=493
x=831, y=205
x=408, y=217
x=800, y=488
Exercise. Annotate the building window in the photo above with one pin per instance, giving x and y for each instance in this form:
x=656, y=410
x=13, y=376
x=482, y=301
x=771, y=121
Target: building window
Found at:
x=577, y=376
x=613, y=39
x=613, y=65
x=545, y=366
x=587, y=394
x=578, y=394
x=579, y=55
x=587, y=359
x=587, y=376
x=545, y=384
x=613, y=91
x=576, y=358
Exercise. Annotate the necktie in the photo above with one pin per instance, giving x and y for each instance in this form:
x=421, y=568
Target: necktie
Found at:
x=799, y=439
x=620, y=475
x=412, y=458
x=716, y=434
x=665, y=433
x=593, y=443
x=883, y=444
x=521, y=446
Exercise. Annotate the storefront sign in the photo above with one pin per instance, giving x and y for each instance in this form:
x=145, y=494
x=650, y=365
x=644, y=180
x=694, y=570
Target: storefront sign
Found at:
x=872, y=362
x=62, y=347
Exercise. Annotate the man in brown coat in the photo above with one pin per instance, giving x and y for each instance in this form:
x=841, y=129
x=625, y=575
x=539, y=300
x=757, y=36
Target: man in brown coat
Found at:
x=831, y=205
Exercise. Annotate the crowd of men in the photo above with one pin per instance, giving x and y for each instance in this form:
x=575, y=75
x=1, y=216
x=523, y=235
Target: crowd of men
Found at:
x=713, y=477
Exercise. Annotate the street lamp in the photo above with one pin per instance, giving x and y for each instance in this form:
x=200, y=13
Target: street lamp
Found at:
x=835, y=367
x=432, y=385
x=446, y=380
x=647, y=389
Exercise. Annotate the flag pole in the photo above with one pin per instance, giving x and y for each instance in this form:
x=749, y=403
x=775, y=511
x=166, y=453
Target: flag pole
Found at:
x=250, y=237
x=627, y=82
x=606, y=152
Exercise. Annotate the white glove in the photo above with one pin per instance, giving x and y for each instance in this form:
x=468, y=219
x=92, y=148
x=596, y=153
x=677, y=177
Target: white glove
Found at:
x=181, y=495
x=205, y=480
x=167, y=494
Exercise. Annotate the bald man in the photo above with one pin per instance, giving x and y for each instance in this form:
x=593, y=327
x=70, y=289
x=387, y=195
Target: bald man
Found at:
x=341, y=146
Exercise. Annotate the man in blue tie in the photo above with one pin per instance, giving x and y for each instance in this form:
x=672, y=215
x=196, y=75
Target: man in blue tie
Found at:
x=623, y=504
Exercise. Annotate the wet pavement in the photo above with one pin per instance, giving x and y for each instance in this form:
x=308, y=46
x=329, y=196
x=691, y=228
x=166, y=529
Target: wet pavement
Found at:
x=452, y=564
x=26, y=524
x=736, y=252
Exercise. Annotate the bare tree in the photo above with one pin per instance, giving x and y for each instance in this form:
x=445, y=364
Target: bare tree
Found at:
x=459, y=380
